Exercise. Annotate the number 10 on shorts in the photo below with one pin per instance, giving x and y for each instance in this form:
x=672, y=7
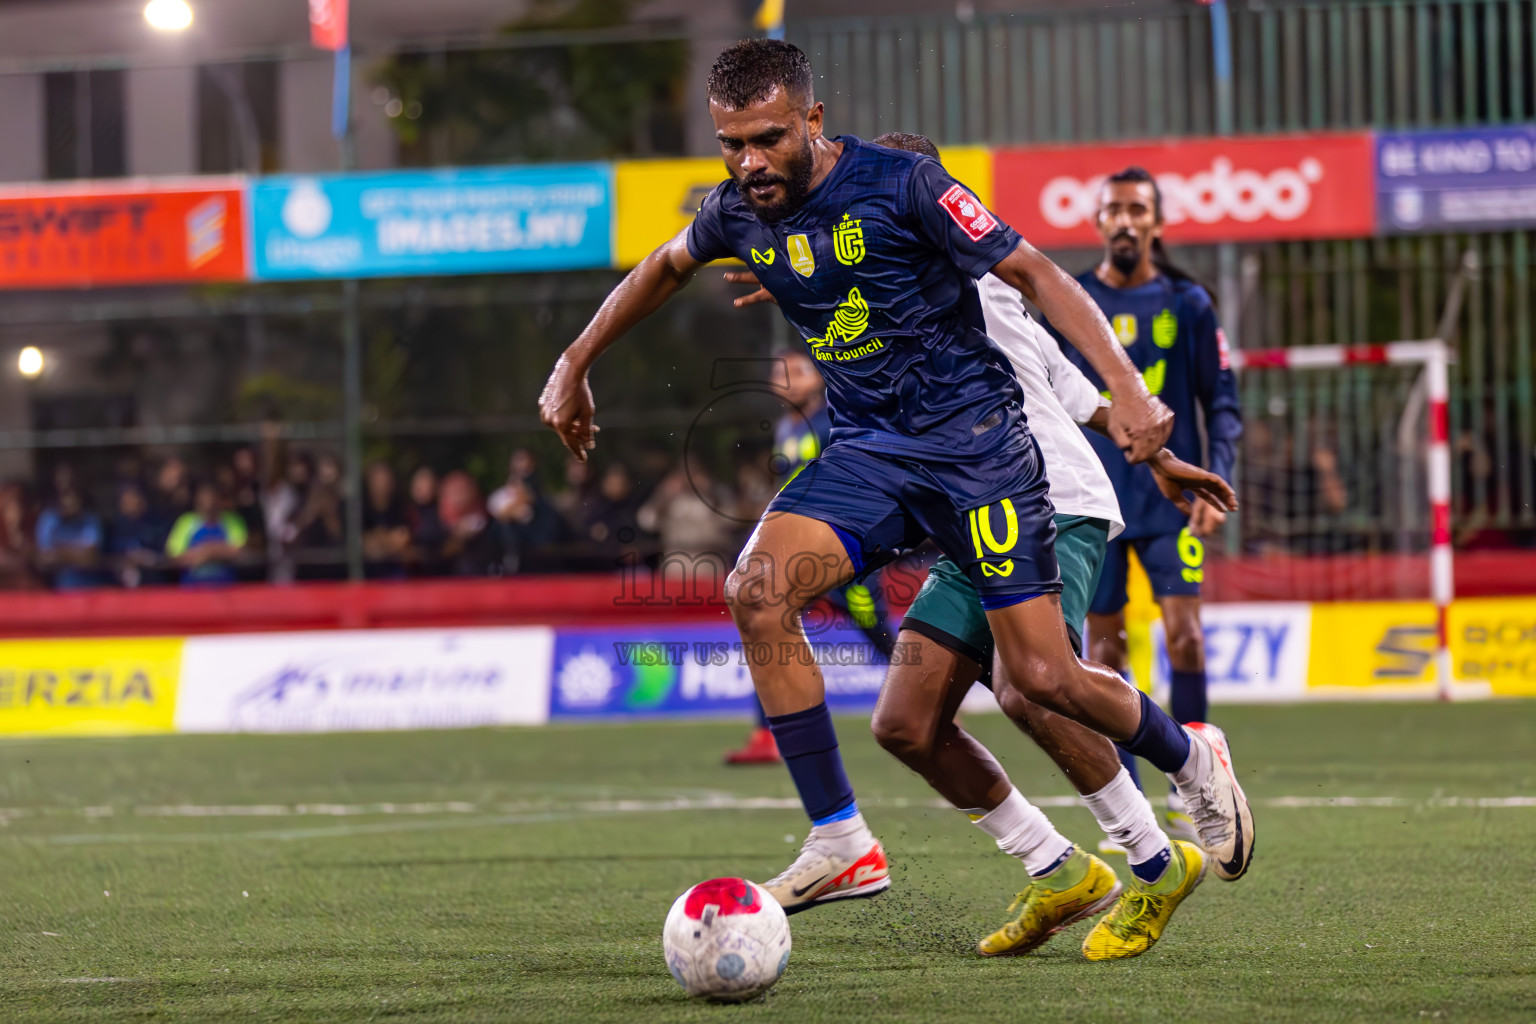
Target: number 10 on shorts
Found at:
x=981, y=534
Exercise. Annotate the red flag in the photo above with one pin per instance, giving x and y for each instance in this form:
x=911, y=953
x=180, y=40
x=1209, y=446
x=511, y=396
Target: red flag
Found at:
x=328, y=23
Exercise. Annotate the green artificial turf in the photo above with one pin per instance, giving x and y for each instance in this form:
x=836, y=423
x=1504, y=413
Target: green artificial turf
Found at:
x=530, y=879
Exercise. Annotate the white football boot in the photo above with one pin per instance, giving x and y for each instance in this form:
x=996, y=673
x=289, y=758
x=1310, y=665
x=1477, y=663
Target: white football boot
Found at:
x=839, y=861
x=1216, y=803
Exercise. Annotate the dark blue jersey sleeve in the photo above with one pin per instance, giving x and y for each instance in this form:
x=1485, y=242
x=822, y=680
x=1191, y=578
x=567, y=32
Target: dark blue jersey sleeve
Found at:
x=706, y=235
x=1216, y=390
x=948, y=216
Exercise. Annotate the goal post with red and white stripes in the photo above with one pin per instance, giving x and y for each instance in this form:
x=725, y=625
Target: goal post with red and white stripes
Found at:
x=1433, y=357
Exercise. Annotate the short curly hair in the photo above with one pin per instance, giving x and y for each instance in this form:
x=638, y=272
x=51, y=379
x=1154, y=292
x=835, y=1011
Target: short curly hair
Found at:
x=747, y=72
x=908, y=141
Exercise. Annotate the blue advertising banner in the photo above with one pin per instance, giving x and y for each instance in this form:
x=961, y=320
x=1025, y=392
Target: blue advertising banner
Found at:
x=680, y=671
x=483, y=220
x=1477, y=179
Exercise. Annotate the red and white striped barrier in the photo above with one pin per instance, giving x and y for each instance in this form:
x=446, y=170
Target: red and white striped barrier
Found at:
x=1435, y=356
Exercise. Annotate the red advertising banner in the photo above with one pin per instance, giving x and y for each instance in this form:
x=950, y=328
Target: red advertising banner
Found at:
x=1214, y=190
x=328, y=24
x=76, y=237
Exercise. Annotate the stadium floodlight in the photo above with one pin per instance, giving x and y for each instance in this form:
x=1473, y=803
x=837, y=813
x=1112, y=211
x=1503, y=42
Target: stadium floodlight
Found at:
x=168, y=15
x=30, y=361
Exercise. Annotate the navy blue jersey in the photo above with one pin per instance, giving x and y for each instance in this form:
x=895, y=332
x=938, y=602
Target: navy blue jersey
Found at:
x=1169, y=330
x=877, y=272
x=798, y=438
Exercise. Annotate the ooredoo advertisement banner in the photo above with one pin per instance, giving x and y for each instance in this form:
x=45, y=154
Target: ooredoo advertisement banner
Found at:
x=158, y=233
x=364, y=680
x=1214, y=190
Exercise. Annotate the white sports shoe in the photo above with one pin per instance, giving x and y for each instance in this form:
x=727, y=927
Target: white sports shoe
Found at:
x=841, y=867
x=1216, y=804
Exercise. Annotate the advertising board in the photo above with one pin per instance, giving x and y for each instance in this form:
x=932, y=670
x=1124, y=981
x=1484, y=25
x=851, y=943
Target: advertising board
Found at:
x=88, y=687
x=468, y=221
x=1253, y=652
x=103, y=234
x=364, y=680
x=1474, y=179
x=1214, y=190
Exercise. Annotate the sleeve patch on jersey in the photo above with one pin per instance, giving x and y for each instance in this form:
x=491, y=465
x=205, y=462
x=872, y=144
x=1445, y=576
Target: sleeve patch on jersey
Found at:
x=1221, y=349
x=965, y=210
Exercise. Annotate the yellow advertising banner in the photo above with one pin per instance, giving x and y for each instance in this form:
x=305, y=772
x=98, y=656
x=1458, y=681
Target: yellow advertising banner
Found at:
x=658, y=198
x=1493, y=640
x=89, y=687
x=1392, y=643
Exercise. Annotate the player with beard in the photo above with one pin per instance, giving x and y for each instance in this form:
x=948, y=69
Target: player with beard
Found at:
x=1167, y=323
x=872, y=255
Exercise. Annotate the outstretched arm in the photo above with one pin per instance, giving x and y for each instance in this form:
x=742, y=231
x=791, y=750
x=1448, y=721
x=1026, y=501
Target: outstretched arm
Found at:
x=1138, y=422
x=565, y=405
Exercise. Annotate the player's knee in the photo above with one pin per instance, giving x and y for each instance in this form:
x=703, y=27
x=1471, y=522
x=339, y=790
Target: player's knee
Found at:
x=1108, y=650
x=749, y=596
x=1186, y=649
x=910, y=740
x=1014, y=705
x=1036, y=679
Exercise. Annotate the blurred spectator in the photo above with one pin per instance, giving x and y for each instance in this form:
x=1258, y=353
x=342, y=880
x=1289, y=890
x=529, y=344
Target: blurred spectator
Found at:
x=316, y=528
x=172, y=493
x=207, y=540
x=470, y=548
x=610, y=516
x=69, y=542
x=16, y=539
x=685, y=513
x=524, y=519
x=570, y=503
x=135, y=539
x=386, y=525
x=246, y=490
x=427, y=532
x=289, y=476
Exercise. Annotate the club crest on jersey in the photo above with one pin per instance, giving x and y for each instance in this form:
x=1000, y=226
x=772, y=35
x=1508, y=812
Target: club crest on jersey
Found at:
x=1165, y=329
x=765, y=258
x=1125, y=328
x=966, y=210
x=800, y=255
x=848, y=241
x=849, y=322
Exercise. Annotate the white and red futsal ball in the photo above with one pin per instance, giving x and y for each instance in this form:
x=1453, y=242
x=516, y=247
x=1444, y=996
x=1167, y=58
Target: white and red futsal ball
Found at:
x=727, y=940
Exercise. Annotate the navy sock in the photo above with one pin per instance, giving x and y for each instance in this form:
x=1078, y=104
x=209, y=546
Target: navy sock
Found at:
x=1188, y=701
x=808, y=744
x=1129, y=760
x=1158, y=738
x=762, y=716
x=1151, y=870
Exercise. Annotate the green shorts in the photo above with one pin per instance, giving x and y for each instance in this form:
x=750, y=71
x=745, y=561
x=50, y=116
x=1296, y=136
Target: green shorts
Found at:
x=948, y=609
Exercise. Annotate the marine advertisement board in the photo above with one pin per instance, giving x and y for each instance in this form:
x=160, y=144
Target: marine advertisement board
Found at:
x=466, y=221
x=364, y=680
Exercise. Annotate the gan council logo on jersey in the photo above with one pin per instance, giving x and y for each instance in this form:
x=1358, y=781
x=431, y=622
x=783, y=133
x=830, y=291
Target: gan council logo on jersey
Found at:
x=966, y=210
x=848, y=241
x=800, y=255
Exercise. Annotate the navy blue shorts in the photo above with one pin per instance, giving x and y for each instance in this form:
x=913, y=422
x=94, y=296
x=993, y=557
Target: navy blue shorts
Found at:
x=1174, y=563
x=993, y=518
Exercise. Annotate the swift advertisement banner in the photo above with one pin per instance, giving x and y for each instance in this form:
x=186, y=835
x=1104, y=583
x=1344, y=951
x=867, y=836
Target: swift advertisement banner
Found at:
x=1214, y=190
x=483, y=220
x=169, y=232
x=364, y=680
x=680, y=671
x=1478, y=179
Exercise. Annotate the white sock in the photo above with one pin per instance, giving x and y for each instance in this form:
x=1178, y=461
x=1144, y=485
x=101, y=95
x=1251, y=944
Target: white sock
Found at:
x=1022, y=830
x=1197, y=765
x=851, y=836
x=1127, y=818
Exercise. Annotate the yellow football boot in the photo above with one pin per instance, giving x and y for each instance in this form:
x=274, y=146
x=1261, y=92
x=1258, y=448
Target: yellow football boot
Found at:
x=1079, y=888
x=1138, y=920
